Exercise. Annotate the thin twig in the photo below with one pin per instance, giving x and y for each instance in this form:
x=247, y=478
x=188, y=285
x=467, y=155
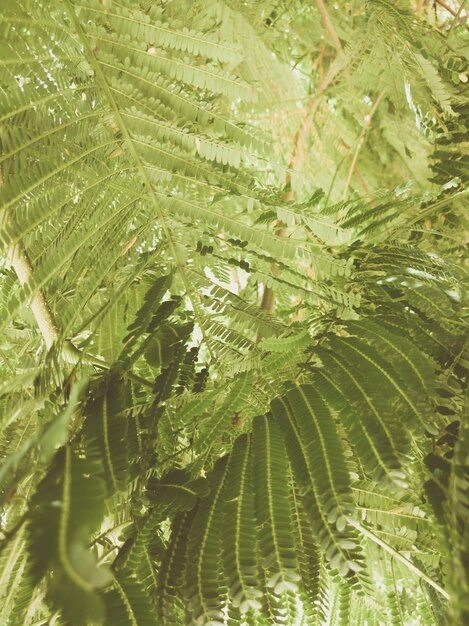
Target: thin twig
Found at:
x=357, y=171
x=452, y=11
x=398, y=556
x=457, y=18
x=360, y=141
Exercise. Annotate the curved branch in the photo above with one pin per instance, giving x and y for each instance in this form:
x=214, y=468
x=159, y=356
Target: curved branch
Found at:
x=40, y=307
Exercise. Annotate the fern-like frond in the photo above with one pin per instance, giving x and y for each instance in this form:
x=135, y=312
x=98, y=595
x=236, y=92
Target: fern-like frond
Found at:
x=70, y=498
x=318, y=463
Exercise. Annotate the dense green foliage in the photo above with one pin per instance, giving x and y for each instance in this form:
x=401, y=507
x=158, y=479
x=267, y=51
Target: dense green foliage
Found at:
x=232, y=313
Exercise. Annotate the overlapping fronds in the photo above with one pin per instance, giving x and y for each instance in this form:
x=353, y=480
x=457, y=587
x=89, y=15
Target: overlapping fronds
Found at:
x=233, y=331
x=147, y=150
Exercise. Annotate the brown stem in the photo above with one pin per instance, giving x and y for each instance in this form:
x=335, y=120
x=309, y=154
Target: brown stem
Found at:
x=358, y=174
x=268, y=300
x=328, y=24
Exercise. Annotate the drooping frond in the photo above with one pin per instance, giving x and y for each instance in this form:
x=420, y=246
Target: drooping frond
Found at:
x=71, y=499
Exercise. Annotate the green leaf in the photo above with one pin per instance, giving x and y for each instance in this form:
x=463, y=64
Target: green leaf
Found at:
x=106, y=427
x=239, y=542
x=319, y=468
x=274, y=523
x=128, y=604
x=204, y=586
x=67, y=508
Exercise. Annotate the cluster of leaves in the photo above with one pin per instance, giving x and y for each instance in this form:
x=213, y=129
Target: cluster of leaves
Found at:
x=182, y=452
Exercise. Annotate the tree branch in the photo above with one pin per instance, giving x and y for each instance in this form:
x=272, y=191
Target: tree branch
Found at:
x=328, y=24
x=40, y=307
x=45, y=319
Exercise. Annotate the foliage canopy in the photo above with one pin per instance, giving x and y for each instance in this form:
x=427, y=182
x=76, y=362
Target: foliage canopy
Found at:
x=232, y=320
